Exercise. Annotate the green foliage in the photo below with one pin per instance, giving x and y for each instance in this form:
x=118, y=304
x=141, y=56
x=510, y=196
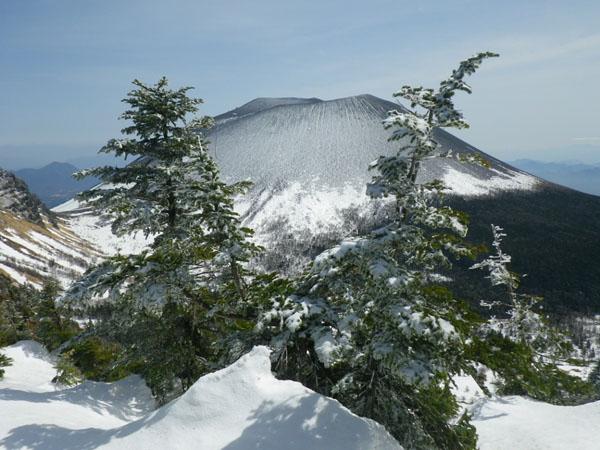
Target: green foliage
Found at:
x=16, y=311
x=524, y=347
x=26, y=313
x=423, y=417
x=52, y=325
x=5, y=361
x=171, y=348
x=67, y=374
x=97, y=359
x=522, y=373
x=594, y=377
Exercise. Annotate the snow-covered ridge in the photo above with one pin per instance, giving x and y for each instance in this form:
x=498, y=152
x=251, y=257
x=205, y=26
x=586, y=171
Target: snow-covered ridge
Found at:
x=240, y=407
x=16, y=199
x=31, y=252
x=34, y=243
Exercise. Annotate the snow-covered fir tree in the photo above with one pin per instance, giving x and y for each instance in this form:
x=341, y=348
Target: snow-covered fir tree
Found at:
x=521, y=347
x=168, y=304
x=369, y=322
x=522, y=322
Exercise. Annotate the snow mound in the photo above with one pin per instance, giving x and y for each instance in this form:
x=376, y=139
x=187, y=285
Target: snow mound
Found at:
x=32, y=368
x=243, y=406
x=37, y=414
x=240, y=407
x=521, y=423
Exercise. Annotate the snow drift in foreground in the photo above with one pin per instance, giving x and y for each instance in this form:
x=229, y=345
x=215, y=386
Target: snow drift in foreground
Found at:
x=35, y=414
x=240, y=407
x=243, y=407
x=508, y=423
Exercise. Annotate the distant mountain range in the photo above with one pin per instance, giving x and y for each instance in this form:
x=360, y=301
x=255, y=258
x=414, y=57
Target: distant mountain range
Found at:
x=576, y=175
x=54, y=184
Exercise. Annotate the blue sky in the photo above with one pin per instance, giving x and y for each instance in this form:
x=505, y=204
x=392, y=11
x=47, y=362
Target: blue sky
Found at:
x=65, y=64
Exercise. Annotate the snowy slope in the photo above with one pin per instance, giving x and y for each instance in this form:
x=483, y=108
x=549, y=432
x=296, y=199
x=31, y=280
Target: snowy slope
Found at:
x=97, y=230
x=240, y=407
x=35, y=414
x=331, y=143
x=243, y=407
x=29, y=252
x=34, y=243
x=509, y=423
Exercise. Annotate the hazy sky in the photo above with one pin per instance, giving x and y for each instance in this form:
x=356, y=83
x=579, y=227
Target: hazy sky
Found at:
x=65, y=64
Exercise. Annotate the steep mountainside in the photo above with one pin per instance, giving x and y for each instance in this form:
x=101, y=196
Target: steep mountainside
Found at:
x=54, y=183
x=34, y=243
x=309, y=161
x=16, y=199
x=331, y=143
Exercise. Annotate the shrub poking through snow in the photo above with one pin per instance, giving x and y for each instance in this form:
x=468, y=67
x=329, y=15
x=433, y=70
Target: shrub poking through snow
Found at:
x=67, y=374
x=4, y=362
x=369, y=323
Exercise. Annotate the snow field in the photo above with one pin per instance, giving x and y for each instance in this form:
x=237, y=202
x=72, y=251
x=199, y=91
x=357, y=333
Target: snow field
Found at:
x=509, y=423
x=240, y=407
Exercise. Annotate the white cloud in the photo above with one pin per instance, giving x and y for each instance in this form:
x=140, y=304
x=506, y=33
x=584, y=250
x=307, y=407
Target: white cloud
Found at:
x=587, y=139
x=528, y=49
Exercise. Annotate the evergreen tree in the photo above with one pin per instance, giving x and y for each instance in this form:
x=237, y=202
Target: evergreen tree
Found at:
x=171, y=301
x=523, y=324
x=523, y=348
x=29, y=313
x=369, y=322
x=67, y=374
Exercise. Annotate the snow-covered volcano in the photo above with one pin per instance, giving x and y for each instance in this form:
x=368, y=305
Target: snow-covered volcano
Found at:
x=331, y=143
x=309, y=158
